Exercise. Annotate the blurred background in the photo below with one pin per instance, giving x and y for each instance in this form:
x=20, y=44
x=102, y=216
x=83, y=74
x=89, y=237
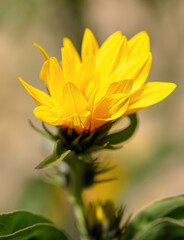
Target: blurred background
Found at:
x=152, y=164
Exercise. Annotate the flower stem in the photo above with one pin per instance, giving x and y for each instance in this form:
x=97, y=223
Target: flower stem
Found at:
x=76, y=188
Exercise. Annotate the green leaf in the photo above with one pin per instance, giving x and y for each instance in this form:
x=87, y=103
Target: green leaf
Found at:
x=172, y=208
x=125, y=134
x=162, y=229
x=57, y=156
x=22, y=225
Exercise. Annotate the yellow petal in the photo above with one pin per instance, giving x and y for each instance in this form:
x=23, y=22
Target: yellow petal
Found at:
x=78, y=122
x=110, y=54
x=115, y=37
x=73, y=55
x=149, y=94
x=91, y=101
x=137, y=70
x=123, y=52
x=44, y=53
x=111, y=107
x=123, y=86
x=73, y=100
x=87, y=77
x=114, y=77
x=44, y=73
x=53, y=64
x=47, y=114
x=138, y=45
x=39, y=97
x=89, y=44
x=68, y=65
x=55, y=80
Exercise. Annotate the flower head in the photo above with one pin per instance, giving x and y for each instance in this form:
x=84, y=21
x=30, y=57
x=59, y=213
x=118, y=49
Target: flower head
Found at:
x=102, y=85
x=104, y=221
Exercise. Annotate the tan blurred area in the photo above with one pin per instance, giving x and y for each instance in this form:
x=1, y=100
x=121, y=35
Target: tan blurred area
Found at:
x=152, y=161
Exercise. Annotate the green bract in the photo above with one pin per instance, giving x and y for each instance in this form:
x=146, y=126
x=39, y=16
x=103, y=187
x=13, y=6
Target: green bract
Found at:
x=68, y=141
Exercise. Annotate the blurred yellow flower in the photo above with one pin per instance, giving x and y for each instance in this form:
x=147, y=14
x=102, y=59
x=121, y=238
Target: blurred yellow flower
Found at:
x=102, y=85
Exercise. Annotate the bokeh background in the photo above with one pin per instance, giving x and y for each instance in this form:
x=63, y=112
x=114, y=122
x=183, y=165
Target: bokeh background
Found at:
x=151, y=164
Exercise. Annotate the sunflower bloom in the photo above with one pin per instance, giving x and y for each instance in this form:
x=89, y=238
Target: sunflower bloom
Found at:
x=102, y=85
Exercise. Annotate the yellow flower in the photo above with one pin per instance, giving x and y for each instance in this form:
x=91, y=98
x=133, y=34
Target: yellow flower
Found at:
x=103, y=84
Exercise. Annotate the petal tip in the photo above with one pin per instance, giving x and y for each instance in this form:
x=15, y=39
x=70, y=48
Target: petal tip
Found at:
x=21, y=80
x=66, y=40
x=43, y=52
x=172, y=86
x=87, y=30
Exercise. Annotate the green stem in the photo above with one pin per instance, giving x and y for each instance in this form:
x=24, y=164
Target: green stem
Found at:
x=76, y=188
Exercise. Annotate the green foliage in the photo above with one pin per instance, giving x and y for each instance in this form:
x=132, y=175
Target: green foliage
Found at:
x=162, y=220
x=165, y=228
x=23, y=225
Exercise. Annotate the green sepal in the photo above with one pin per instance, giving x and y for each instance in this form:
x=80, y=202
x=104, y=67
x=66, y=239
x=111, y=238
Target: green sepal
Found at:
x=125, y=134
x=23, y=225
x=50, y=134
x=56, y=157
x=46, y=133
x=88, y=142
x=105, y=180
x=89, y=138
x=75, y=144
x=112, y=147
x=105, y=170
x=159, y=220
x=95, y=148
x=102, y=132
